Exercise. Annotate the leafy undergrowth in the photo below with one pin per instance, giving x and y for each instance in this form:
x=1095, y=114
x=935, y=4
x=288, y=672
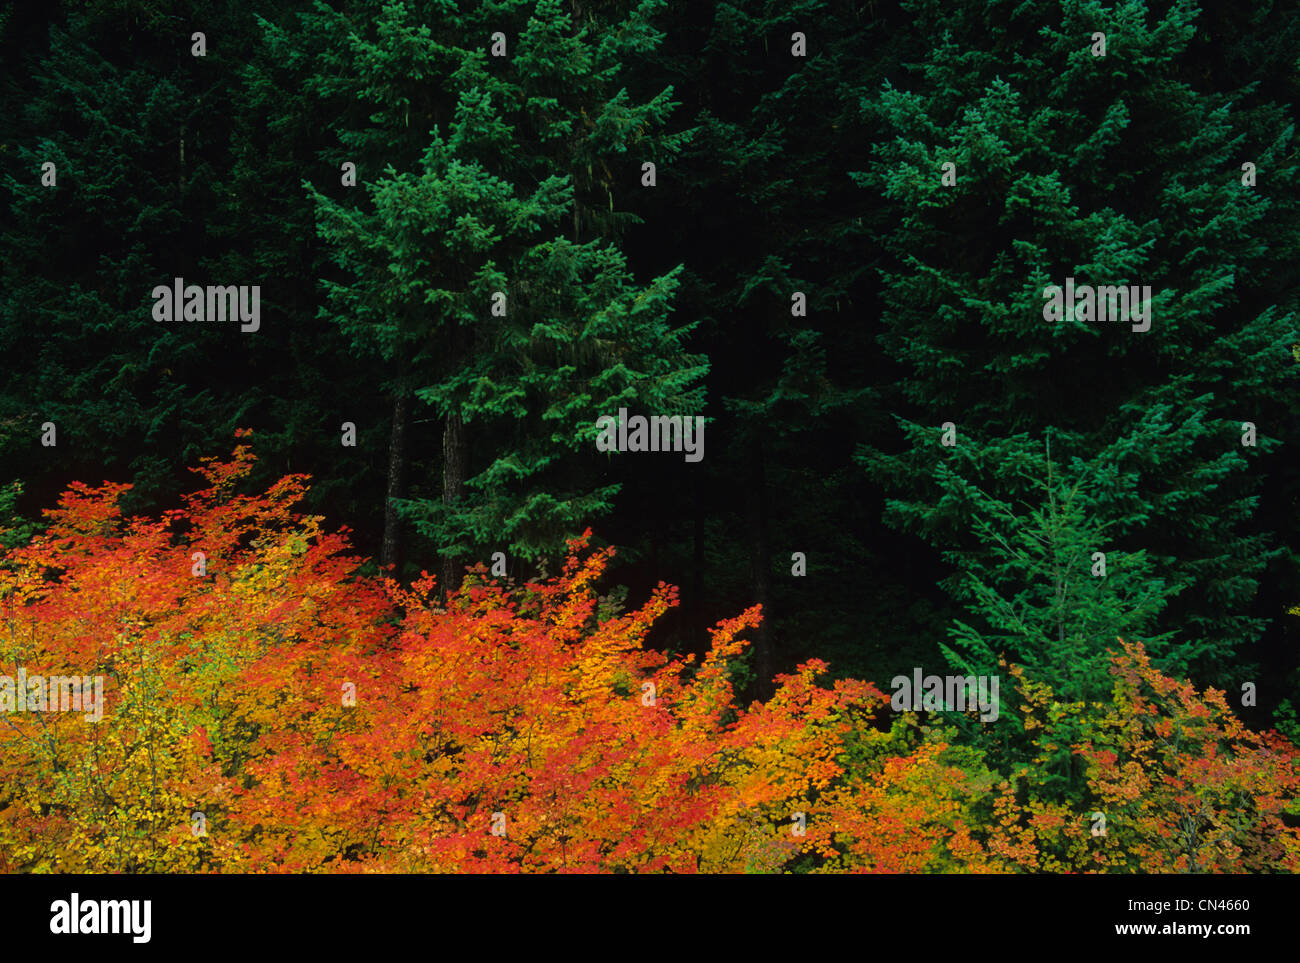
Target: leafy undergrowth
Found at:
x=267, y=709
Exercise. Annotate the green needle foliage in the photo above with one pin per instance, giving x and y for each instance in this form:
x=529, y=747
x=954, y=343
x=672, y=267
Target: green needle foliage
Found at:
x=1122, y=169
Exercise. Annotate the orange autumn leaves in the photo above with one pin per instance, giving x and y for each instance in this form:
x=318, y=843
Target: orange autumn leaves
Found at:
x=272, y=710
x=1183, y=785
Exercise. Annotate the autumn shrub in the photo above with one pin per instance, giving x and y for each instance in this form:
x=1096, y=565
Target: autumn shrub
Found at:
x=1175, y=782
x=269, y=709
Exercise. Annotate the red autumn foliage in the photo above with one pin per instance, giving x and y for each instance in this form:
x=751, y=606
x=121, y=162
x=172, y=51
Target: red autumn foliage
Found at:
x=267, y=708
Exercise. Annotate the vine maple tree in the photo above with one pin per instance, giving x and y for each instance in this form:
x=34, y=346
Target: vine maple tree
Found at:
x=268, y=708
x=1175, y=782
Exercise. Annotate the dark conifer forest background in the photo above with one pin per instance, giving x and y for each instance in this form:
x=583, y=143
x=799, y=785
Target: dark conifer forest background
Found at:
x=774, y=174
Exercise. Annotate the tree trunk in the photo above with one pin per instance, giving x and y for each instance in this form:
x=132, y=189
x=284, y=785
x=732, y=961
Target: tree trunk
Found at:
x=390, y=548
x=453, y=484
x=760, y=569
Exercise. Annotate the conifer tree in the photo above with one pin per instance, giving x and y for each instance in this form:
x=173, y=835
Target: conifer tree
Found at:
x=1115, y=169
x=487, y=281
x=779, y=273
x=136, y=128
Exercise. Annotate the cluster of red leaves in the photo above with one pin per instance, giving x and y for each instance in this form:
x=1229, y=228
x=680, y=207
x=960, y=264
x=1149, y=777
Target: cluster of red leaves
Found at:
x=268, y=709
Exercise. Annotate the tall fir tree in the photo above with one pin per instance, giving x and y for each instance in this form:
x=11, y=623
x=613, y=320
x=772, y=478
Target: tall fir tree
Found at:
x=779, y=273
x=488, y=285
x=1085, y=142
x=135, y=127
